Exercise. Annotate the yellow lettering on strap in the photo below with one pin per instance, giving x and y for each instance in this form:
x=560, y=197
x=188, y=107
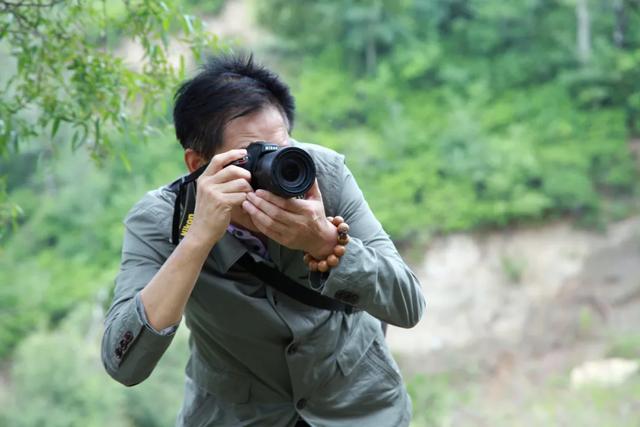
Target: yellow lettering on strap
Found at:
x=185, y=228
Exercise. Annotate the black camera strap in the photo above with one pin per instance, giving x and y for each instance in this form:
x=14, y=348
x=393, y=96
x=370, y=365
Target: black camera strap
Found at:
x=283, y=283
x=185, y=204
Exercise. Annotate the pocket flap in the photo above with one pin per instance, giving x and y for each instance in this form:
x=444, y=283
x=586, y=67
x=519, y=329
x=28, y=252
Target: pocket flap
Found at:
x=357, y=344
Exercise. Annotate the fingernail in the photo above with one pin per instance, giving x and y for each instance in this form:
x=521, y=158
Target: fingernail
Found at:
x=260, y=193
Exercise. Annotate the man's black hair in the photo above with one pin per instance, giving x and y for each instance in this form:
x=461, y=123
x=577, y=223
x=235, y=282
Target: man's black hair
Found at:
x=227, y=87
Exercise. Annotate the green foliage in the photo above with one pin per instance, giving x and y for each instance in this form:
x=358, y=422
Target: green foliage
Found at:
x=560, y=405
x=440, y=400
x=626, y=347
x=68, y=70
x=59, y=380
x=363, y=29
x=208, y=7
x=64, y=68
x=435, y=398
x=435, y=162
x=67, y=246
x=60, y=370
x=472, y=113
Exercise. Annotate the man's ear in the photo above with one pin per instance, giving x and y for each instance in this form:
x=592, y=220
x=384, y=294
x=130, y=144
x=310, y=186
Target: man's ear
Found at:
x=193, y=159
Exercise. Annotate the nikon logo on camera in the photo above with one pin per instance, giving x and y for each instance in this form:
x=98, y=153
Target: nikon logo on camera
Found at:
x=185, y=227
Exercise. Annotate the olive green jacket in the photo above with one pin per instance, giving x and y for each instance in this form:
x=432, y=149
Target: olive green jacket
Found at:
x=258, y=357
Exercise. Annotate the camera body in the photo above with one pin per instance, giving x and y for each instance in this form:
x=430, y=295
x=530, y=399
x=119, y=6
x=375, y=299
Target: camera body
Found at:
x=285, y=171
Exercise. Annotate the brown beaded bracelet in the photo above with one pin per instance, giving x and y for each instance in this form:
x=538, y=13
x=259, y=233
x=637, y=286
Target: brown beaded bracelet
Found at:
x=339, y=250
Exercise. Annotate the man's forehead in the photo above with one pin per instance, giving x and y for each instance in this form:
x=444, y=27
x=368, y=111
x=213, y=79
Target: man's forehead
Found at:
x=267, y=124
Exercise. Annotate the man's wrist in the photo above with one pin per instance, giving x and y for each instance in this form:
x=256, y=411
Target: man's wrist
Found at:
x=197, y=244
x=327, y=242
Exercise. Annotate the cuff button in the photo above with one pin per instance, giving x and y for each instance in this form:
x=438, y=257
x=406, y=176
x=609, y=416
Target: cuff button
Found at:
x=301, y=404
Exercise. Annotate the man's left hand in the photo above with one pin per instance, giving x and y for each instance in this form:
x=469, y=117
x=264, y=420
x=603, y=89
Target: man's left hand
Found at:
x=295, y=223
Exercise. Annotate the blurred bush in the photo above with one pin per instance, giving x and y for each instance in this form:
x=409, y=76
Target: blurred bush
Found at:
x=456, y=115
x=66, y=248
x=59, y=380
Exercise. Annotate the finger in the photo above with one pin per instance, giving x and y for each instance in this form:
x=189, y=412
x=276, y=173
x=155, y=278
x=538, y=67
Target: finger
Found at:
x=230, y=173
x=235, y=186
x=272, y=210
x=265, y=224
x=219, y=161
x=235, y=199
x=291, y=205
x=314, y=191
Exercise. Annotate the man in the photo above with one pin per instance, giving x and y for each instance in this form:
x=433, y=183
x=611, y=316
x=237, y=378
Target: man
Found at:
x=258, y=355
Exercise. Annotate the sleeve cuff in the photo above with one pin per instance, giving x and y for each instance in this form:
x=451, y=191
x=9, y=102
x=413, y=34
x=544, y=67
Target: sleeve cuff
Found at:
x=169, y=330
x=353, y=280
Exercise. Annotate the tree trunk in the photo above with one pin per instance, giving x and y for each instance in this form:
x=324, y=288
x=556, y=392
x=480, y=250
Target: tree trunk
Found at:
x=620, y=23
x=583, y=35
x=371, y=56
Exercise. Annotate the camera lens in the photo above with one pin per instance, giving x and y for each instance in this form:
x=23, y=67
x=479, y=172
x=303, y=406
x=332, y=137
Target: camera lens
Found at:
x=293, y=171
x=290, y=171
x=287, y=172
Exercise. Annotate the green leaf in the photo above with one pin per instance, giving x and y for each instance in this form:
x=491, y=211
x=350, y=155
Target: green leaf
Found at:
x=75, y=140
x=96, y=124
x=125, y=161
x=56, y=125
x=188, y=24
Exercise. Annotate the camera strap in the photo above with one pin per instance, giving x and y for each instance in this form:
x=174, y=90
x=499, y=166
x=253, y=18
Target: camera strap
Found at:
x=183, y=209
x=283, y=283
x=185, y=204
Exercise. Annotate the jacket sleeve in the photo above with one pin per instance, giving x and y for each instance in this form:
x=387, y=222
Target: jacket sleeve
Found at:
x=131, y=348
x=371, y=275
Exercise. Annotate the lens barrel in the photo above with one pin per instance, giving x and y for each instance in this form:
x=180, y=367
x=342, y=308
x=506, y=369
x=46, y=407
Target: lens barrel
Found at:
x=287, y=172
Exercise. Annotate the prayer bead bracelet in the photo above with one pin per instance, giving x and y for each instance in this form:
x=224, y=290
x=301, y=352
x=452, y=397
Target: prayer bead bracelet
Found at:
x=338, y=251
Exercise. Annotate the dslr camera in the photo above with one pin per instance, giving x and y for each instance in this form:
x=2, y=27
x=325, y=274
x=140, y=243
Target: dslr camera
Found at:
x=285, y=171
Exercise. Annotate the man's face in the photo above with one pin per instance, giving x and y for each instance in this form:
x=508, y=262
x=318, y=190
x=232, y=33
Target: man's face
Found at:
x=267, y=124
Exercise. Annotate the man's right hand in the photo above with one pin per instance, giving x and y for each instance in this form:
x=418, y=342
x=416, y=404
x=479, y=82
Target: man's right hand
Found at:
x=219, y=190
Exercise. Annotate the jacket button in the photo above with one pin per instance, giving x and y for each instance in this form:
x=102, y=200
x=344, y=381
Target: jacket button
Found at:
x=123, y=344
x=119, y=353
x=293, y=349
x=128, y=336
x=301, y=404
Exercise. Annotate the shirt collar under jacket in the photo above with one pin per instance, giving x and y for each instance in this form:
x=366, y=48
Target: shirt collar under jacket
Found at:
x=249, y=240
x=230, y=249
